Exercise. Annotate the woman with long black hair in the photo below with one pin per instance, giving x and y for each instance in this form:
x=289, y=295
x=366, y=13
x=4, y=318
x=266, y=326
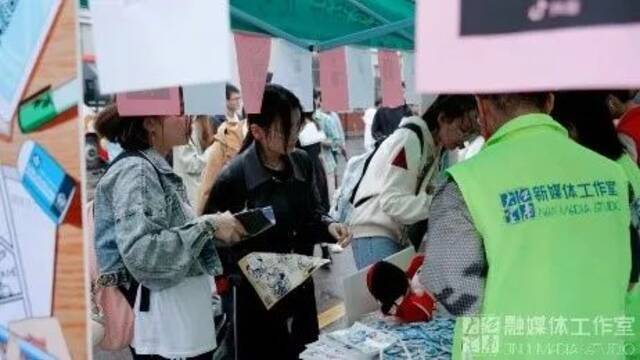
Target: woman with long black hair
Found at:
x=269, y=171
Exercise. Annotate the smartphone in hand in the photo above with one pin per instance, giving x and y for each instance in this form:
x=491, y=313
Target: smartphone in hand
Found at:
x=256, y=221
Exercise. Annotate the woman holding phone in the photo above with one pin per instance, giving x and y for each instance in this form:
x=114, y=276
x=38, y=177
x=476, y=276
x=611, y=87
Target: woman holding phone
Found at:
x=150, y=244
x=270, y=172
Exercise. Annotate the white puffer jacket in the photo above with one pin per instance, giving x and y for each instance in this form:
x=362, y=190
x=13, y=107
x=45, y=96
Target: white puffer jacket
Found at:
x=386, y=199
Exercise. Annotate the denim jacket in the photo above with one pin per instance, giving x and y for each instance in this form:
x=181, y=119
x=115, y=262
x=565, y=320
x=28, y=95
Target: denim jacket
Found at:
x=145, y=227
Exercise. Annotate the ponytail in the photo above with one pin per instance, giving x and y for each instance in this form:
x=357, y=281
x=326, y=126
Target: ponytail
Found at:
x=129, y=132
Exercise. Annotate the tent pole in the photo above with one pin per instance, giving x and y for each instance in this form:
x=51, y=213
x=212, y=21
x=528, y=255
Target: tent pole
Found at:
x=365, y=34
x=404, y=33
x=241, y=15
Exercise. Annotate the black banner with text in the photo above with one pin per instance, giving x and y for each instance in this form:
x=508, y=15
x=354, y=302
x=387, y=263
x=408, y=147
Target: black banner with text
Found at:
x=488, y=17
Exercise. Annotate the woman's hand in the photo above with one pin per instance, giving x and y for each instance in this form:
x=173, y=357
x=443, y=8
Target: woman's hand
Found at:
x=341, y=233
x=229, y=230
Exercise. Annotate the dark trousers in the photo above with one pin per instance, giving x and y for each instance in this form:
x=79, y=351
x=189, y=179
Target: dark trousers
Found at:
x=279, y=333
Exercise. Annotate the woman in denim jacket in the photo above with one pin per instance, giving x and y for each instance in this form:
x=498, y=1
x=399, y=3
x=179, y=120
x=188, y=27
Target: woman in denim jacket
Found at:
x=147, y=233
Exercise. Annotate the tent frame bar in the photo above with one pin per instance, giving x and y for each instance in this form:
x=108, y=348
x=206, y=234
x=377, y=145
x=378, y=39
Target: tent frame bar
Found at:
x=360, y=36
x=242, y=15
x=362, y=7
x=365, y=34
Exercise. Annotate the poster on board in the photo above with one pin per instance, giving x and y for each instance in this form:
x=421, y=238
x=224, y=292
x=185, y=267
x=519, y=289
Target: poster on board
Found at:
x=41, y=234
x=409, y=78
x=360, y=78
x=526, y=45
x=291, y=68
x=204, y=99
x=346, y=79
x=25, y=290
x=130, y=57
x=24, y=26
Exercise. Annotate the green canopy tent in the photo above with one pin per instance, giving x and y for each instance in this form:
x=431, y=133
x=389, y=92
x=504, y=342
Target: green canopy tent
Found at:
x=326, y=24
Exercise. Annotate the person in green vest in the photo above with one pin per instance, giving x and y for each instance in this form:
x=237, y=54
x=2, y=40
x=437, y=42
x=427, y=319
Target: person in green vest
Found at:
x=588, y=118
x=528, y=242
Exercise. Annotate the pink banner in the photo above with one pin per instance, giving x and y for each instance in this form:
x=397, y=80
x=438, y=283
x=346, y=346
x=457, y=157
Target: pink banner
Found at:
x=482, y=46
x=333, y=80
x=390, y=78
x=150, y=102
x=253, y=53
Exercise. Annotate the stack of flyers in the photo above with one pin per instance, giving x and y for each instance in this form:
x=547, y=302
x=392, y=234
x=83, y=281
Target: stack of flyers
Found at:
x=359, y=342
x=365, y=339
x=418, y=340
x=329, y=349
x=382, y=338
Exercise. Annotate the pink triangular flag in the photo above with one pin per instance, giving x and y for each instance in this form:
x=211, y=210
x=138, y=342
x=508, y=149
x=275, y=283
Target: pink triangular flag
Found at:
x=333, y=80
x=253, y=53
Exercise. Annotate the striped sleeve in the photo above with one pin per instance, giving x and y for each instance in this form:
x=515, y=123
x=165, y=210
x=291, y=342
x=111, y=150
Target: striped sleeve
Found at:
x=455, y=266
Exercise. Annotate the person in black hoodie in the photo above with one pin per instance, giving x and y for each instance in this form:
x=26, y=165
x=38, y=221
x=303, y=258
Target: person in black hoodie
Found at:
x=269, y=171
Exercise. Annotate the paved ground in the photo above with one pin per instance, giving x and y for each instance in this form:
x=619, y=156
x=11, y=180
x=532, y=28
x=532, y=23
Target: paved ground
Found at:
x=328, y=282
x=329, y=289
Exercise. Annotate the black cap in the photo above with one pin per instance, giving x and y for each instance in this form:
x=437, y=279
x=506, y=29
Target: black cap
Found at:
x=387, y=282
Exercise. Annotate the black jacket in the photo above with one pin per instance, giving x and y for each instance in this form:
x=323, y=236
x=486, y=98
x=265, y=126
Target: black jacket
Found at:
x=282, y=331
x=301, y=220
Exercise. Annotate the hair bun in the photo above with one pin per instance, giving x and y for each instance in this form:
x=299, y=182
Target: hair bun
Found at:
x=109, y=124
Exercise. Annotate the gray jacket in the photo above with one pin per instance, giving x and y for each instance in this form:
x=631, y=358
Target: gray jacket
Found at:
x=145, y=227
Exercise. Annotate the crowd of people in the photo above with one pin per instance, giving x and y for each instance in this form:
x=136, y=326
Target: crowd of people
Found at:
x=522, y=204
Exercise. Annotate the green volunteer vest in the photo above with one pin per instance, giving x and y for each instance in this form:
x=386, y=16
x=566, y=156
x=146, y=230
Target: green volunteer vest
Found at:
x=633, y=311
x=554, y=219
x=633, y=298
x=632, y=172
